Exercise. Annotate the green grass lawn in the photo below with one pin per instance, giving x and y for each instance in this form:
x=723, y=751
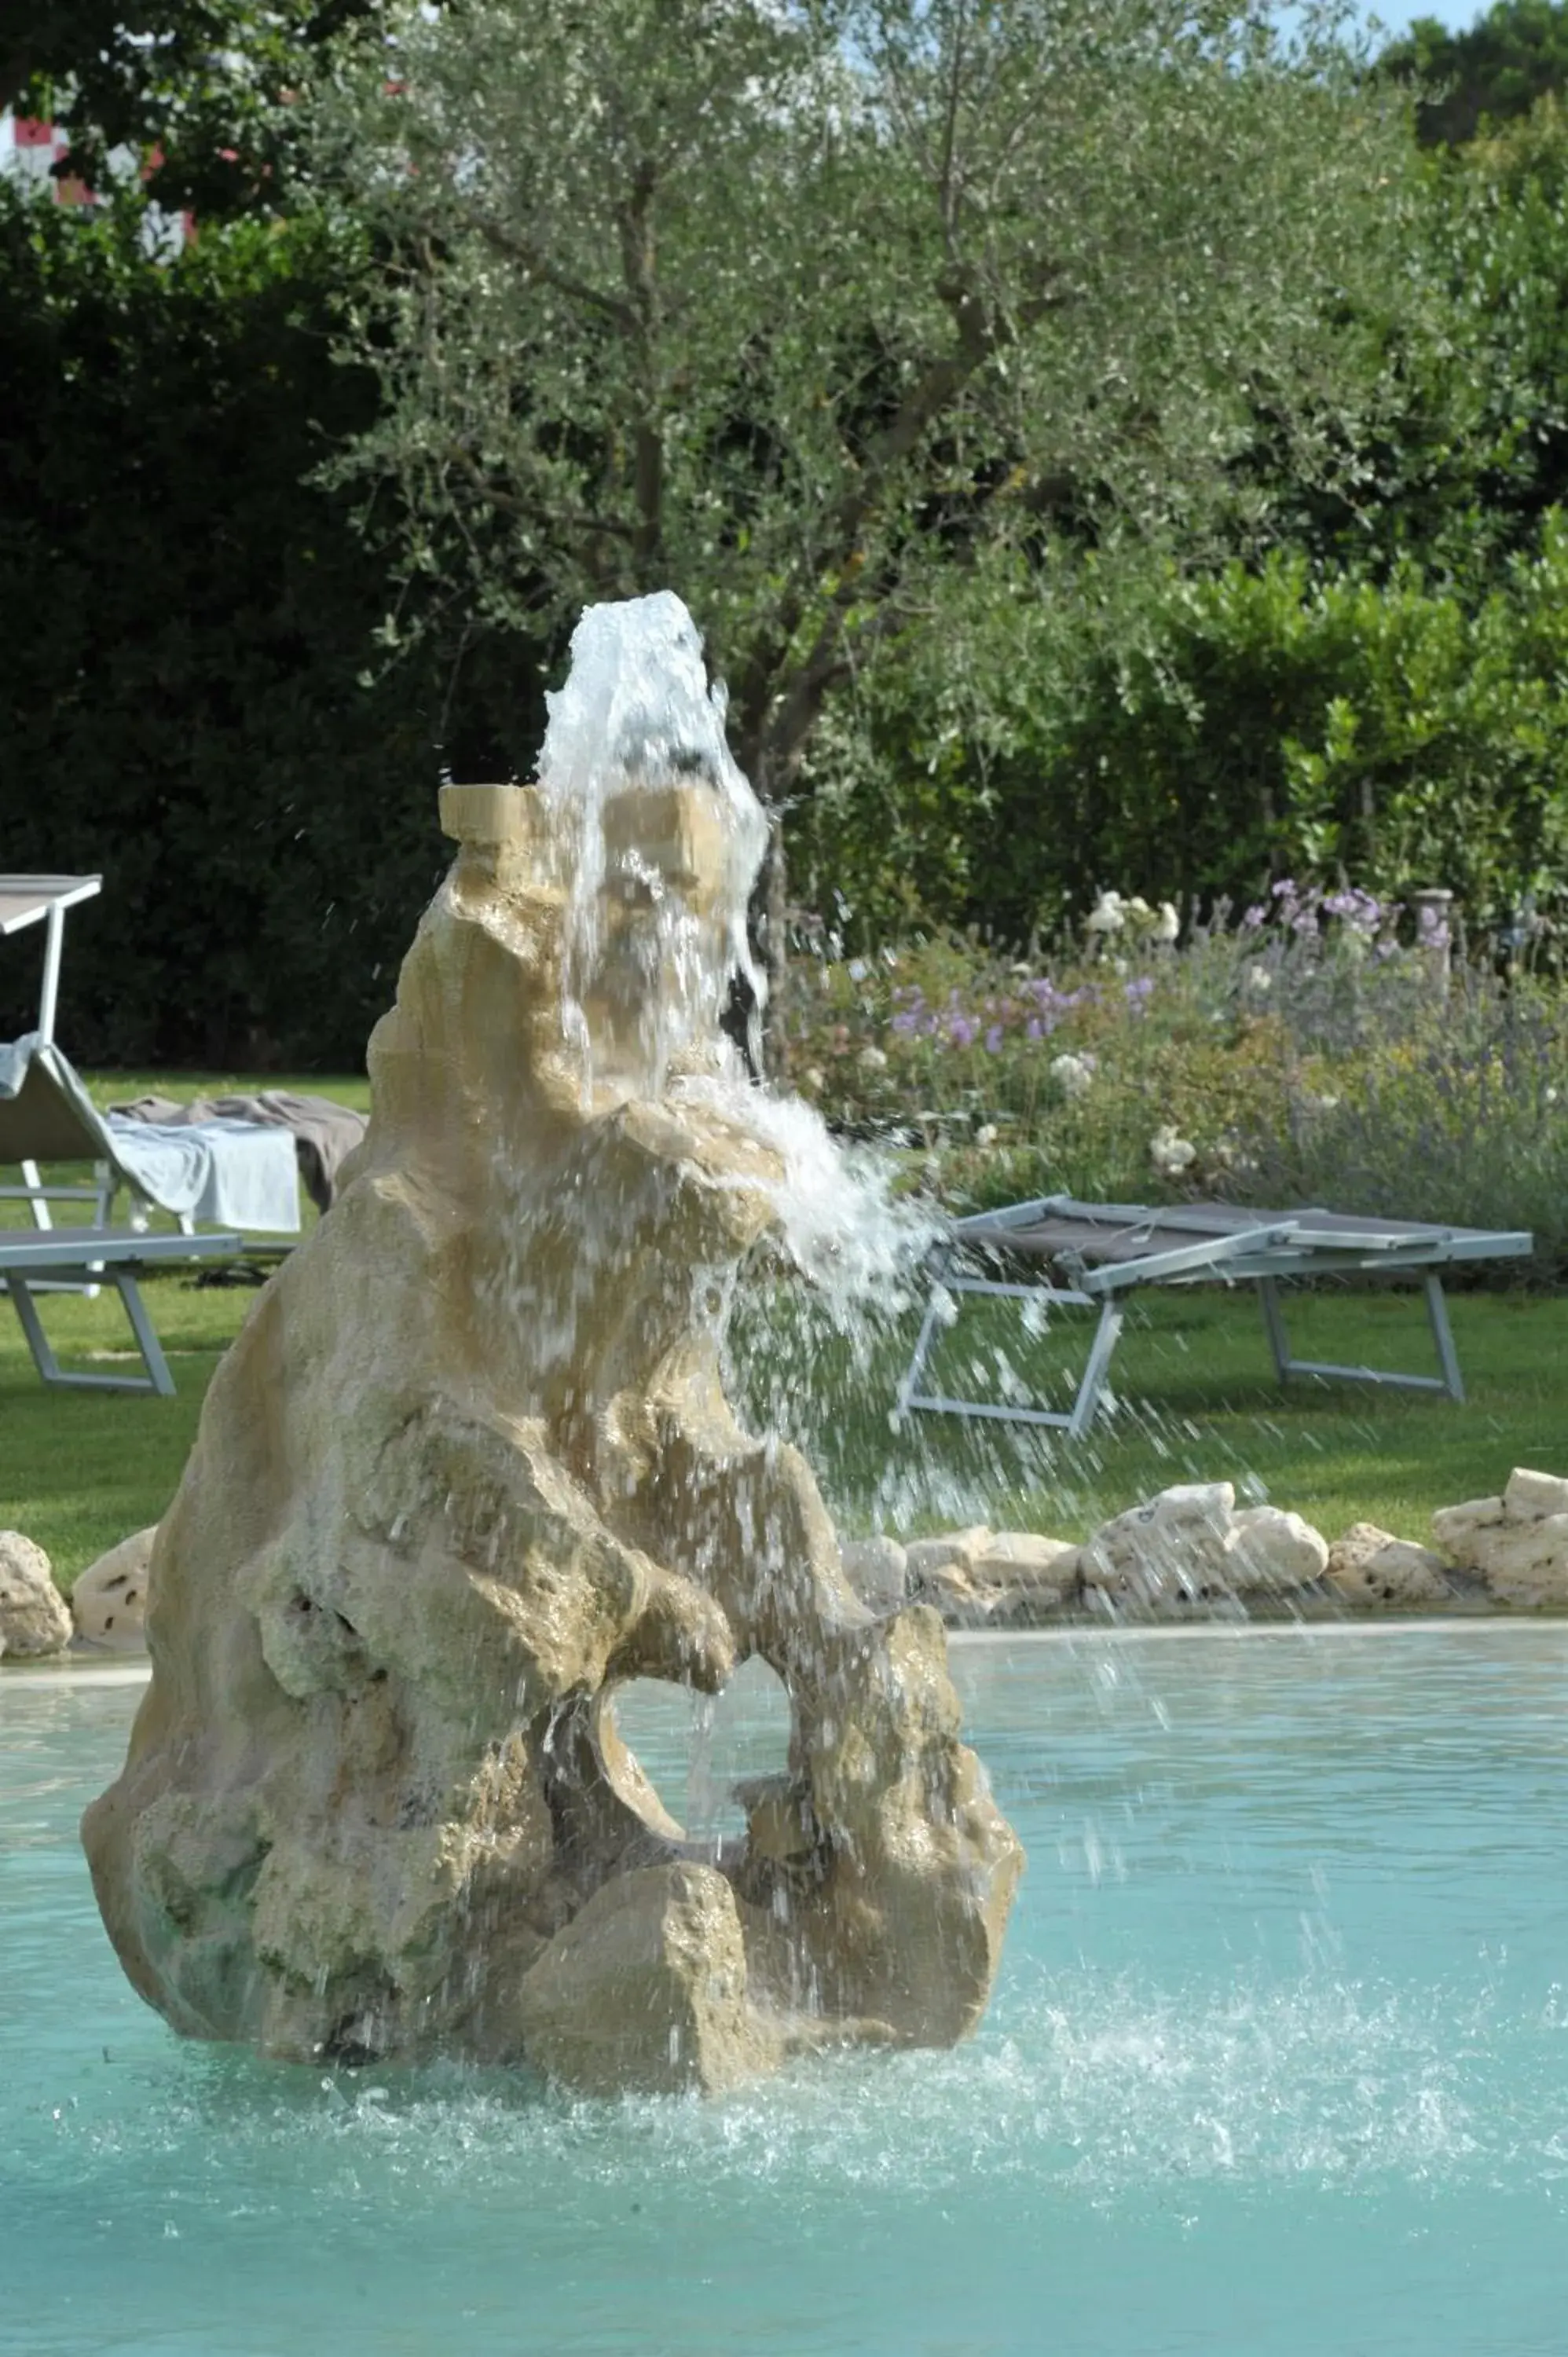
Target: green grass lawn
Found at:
x=78, y=1469
x=1197, y=1401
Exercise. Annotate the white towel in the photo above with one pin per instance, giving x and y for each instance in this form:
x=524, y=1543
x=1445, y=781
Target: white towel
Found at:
x=226, y=1174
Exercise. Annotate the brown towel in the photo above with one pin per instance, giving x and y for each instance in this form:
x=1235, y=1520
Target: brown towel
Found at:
x=324, y=1133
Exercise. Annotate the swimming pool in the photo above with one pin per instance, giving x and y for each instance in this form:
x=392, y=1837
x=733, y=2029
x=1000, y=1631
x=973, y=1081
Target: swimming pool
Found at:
x=1277, y=2064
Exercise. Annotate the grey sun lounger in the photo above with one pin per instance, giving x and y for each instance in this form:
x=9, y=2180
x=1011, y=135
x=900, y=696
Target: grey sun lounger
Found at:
x=1091, y=1255
x=221, y=1173
x=94, y=1256
x=46, y=1116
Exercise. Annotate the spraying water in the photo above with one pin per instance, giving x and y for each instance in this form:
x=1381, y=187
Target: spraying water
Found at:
x=663, y=841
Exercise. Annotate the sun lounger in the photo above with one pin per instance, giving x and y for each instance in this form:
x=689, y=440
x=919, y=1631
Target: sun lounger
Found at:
x=231, y=1174
x=243, y=1176
x=27, y=901
x=1091, y=1255
x=113, y=1257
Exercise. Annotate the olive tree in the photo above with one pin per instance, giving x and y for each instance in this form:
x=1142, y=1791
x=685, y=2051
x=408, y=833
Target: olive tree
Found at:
x=802, y=306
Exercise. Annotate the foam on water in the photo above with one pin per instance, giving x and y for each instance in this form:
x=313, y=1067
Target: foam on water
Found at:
x=1108, y=2090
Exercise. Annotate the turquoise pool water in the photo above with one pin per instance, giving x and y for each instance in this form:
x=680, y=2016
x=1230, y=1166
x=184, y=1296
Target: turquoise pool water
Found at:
x=1277, y=2067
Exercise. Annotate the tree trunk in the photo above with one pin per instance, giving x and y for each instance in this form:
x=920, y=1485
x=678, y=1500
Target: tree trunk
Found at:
x=752, y=1027
x=773, y=891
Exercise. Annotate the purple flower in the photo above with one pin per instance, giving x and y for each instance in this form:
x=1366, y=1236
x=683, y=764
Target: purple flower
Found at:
x=994, y=1039
x=961, y=1031
x=1034, y=1028
x=1254, y=917
x=1360, y=910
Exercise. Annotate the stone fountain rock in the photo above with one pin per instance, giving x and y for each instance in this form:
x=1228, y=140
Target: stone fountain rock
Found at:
x=467, y=1468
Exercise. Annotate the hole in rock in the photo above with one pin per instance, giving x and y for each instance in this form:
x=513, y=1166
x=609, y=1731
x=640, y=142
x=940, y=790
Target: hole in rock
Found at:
x=696, y=1748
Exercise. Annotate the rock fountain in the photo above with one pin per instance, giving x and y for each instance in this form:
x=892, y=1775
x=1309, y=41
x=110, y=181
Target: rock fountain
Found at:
x=470, y=1467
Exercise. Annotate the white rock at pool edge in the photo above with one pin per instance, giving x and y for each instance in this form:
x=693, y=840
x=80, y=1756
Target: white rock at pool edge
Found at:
x=878, y=1571
x=1370, y=1567
x=109, y=1601
x=34, y=1618
x=1519, y=1543
x=1531, y=1497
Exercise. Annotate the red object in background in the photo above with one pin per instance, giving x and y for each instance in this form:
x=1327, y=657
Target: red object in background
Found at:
x=46, y=146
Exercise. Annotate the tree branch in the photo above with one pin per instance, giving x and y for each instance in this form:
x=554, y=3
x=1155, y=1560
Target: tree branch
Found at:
x=636, y=220
x=948, y=197
x=981, y=334
x=515, y=503
x=536, y=264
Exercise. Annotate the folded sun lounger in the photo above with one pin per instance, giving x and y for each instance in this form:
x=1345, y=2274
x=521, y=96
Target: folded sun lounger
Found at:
x=1091, y=1256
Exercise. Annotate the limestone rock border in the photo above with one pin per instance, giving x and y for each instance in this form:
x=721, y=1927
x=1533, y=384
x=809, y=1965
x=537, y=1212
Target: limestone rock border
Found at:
x=1191, y=1553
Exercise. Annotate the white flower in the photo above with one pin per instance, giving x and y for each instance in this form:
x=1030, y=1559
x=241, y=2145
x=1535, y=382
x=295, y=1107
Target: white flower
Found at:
x=1170, y=1153
x=1167, y=924
x=1549, y=1093
x=1139, y=909
x=812, y=1081
x=857, y=969
x=1260, y=979
x=986, y=1134
x=872, y=1059
x=1106, y=916
x=1072, y=1074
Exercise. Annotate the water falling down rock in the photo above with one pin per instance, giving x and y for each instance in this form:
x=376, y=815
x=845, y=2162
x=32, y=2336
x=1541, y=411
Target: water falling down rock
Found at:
x=468, y=1467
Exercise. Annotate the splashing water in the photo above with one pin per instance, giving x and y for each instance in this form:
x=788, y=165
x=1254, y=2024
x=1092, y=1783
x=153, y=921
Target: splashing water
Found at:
x=636, y=766
x=663, y=839
x=1182, y=2127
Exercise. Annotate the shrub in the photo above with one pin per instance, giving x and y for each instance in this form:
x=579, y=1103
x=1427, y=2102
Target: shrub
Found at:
x=1199, y=735
x=187, y=627
x=1318, y=1049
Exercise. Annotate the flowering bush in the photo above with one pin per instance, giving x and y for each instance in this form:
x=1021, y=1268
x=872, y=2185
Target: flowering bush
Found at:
x=1314, y=1046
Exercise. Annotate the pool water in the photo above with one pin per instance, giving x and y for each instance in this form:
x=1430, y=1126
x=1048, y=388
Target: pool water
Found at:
x=1277, y=2066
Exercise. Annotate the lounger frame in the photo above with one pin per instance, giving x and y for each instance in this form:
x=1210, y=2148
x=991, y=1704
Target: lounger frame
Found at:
x=1107, y=1250
x=31, y=1261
